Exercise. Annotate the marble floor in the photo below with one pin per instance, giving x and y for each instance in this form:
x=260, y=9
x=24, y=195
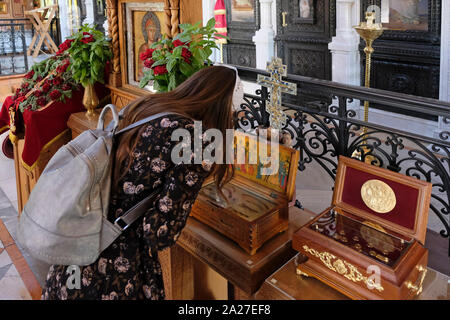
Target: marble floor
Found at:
x=11, y=288
x=17, y=281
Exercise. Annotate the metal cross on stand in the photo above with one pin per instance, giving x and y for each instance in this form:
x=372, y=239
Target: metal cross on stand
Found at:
x=277, y=70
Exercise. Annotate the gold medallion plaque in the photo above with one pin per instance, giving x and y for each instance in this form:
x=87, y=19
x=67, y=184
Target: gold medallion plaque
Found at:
x=378, y=196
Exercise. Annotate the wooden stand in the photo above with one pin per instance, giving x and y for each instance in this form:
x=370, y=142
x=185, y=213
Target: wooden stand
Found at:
x=41, y=24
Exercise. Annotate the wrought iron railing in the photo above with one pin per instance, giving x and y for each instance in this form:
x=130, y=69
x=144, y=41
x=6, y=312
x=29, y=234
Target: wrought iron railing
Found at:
x=323, y=127
x=15, y=37
x=14, y=34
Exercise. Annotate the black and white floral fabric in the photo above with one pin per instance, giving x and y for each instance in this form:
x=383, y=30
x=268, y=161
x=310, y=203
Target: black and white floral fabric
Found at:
x=129, y=268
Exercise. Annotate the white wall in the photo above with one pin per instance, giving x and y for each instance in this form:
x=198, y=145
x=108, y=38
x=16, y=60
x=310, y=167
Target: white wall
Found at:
x=445, y=52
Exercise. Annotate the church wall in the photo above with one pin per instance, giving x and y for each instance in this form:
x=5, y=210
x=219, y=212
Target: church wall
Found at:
x=15, y=9
x=191, y=11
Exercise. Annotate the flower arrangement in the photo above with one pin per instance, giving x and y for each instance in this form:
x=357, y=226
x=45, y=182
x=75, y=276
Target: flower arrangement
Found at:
x=89, y=51
x=47, y=81
x=80, y=59
x=169, y=62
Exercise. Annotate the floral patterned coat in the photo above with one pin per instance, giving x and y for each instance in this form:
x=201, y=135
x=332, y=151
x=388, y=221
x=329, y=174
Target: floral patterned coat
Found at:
x=129, y=268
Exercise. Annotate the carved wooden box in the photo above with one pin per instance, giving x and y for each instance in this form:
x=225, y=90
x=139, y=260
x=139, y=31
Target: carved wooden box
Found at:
x=256, y=205
x=369, y=244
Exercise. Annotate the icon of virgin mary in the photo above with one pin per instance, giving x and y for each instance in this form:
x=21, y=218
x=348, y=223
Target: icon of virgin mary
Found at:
x=151, y=30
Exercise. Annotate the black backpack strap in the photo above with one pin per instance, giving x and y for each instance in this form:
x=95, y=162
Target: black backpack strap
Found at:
x=125, y=220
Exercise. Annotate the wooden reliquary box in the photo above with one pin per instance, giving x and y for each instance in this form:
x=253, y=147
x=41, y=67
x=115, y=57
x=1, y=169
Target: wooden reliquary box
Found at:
x=256, y=205
x=369, y=244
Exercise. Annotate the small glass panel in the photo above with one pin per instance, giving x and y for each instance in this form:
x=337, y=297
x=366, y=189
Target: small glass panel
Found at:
x=408, y=15
x=362, y=237
x=243, y=11
x=243, y=202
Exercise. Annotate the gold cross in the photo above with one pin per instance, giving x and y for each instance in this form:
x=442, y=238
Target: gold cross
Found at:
x=277, y=71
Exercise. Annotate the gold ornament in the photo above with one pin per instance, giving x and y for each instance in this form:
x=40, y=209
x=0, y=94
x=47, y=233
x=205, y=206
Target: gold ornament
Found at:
x=378, y=196
x=369, y=31
x=343, y=268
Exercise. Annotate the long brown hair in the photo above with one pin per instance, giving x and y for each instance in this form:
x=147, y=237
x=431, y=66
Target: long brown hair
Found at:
x=206, y=96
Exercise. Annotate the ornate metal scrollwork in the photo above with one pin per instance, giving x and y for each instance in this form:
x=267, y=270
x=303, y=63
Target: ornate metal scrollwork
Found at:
x=13, y=48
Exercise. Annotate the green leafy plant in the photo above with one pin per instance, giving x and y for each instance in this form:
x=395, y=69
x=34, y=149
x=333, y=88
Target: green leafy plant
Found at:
x=89, y=52
x=169, y=62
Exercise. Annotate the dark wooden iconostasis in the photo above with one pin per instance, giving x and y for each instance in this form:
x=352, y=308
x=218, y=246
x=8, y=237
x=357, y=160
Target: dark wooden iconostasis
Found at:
x=407, y=56
x=242, y=22
x=304, y=30
x=99, y=13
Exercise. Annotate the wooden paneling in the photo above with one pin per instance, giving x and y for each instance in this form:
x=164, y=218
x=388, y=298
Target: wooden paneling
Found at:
x=303, y=44
x=190, y=11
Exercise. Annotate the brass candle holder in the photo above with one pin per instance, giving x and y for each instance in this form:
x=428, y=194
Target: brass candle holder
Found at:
x=369, y=31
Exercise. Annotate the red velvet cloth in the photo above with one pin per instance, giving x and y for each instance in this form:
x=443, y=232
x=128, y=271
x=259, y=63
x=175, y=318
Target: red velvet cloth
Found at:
x=404, y=212
x=4, y=115
x=44, y=125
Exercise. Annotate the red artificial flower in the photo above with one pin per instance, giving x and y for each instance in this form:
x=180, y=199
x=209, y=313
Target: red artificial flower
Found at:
x=29, y=75
x=46, y=87
x=160, y=70
x=66, y=87
x=55, y=94
x=178, y=43
x=146, y=54
x=57, y=81
x=25, y=85
x=17, y=92
x=89, y=38
x=63, y=67
x=64, y=46
x=37, y=93
x=186, y=54
x=39, y=78
x=149, y=63
x=41, y=101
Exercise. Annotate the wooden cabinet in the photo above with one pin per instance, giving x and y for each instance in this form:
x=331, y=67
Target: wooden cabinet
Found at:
x=369, y=244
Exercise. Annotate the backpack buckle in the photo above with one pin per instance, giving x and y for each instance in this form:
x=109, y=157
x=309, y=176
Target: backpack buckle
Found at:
x=121, y=224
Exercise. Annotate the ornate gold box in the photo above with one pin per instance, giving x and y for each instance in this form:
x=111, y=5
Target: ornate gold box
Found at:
x=369, y=244
x=256, y=205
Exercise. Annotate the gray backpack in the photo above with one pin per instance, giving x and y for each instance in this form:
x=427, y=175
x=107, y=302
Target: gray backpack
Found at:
x=65, y=221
